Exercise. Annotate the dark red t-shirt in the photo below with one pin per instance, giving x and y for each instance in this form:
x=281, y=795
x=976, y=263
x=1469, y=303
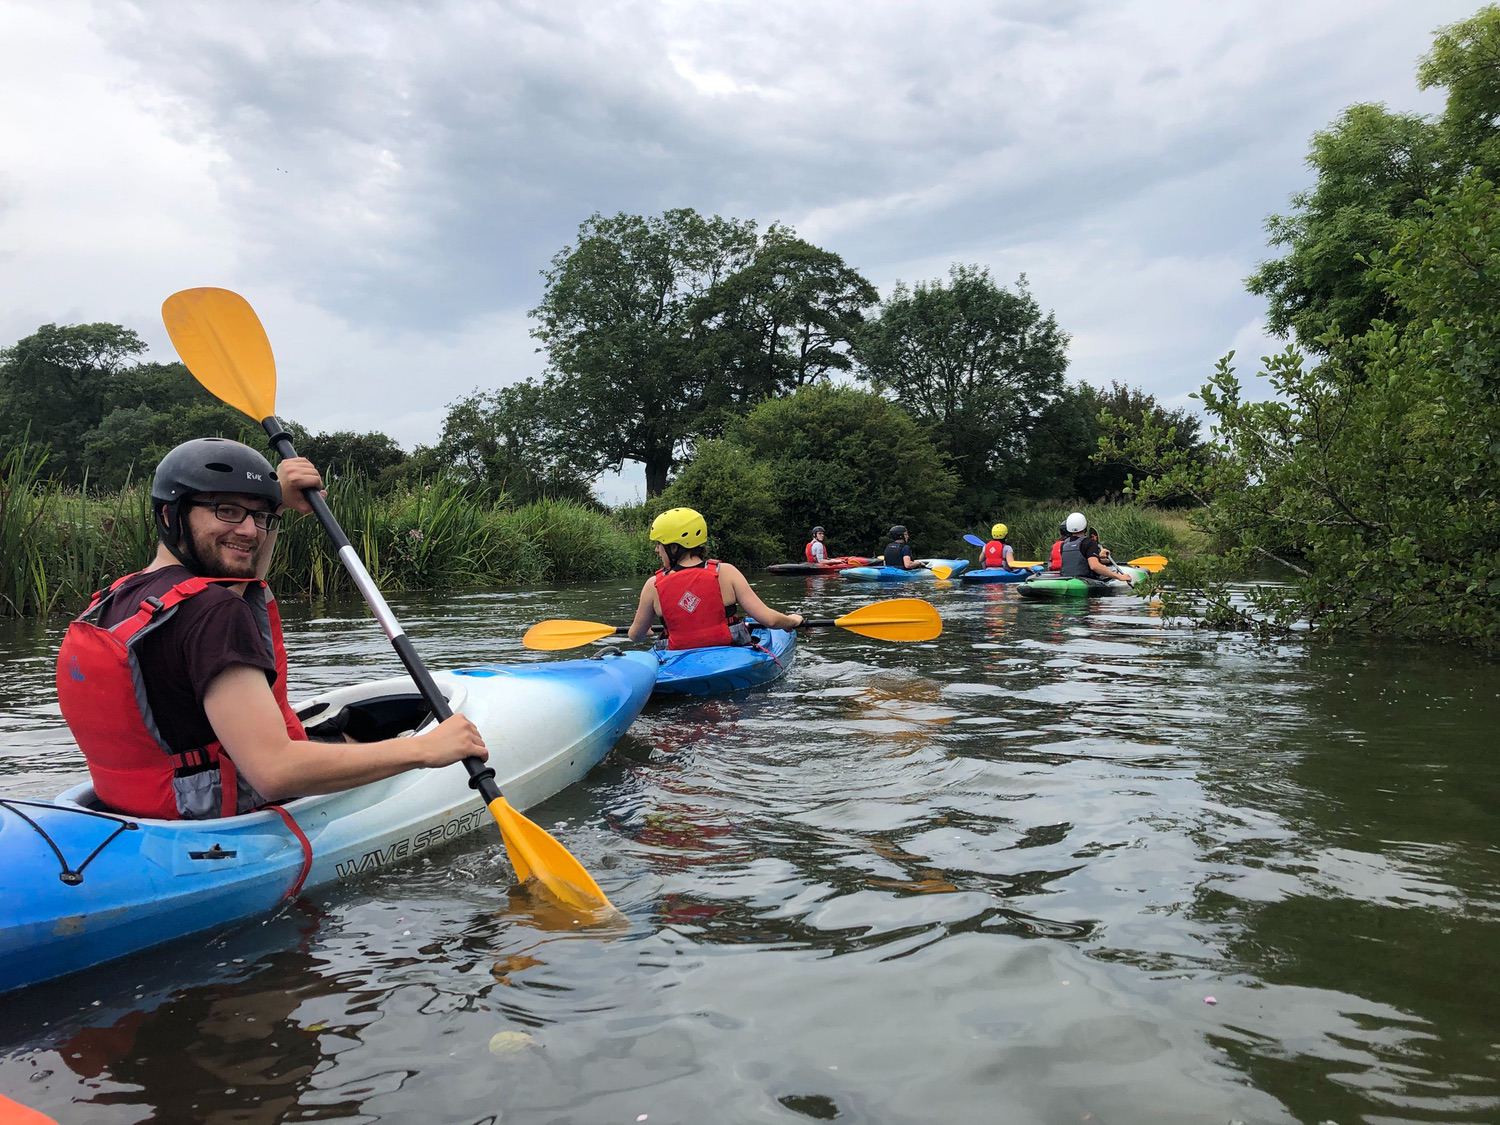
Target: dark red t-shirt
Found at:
x=206, y=634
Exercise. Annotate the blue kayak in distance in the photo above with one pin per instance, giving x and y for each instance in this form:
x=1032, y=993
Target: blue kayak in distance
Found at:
x=897, y=574
x=726, y=668
x=80, y=885
x=999, y=574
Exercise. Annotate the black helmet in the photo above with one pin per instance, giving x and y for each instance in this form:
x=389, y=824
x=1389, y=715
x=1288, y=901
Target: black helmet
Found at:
x=205, y=465
x=214, y=464
x=818, y=529
x=898, y=531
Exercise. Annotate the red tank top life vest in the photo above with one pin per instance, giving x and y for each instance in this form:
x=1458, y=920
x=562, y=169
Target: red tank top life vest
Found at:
x=807, y=552
x=994, y=554
x=103, y=699
x=1055, y=563
x=692, y=607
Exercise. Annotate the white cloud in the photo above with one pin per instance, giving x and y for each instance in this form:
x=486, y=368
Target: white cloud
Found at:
x=385, y=181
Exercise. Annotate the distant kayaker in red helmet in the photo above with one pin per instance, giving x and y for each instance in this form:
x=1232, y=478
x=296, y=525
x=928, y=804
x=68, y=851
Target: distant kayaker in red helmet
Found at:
x=173, y=681
x=696, y=598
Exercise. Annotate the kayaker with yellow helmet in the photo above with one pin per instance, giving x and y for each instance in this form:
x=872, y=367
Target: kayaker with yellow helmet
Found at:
x=697, y=598
x=997, y=552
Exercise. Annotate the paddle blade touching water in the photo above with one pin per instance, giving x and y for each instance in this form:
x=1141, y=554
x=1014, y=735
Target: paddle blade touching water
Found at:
x=223, y=344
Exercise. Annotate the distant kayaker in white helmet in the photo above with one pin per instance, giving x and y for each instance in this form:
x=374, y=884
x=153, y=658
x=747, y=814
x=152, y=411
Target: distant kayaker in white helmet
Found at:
x=173, y=681
x=1080, y=554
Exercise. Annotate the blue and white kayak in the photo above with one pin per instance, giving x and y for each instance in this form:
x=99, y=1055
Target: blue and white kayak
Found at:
x=726, y=668
x=80, y=886
x=999, y=574
x=897, y=574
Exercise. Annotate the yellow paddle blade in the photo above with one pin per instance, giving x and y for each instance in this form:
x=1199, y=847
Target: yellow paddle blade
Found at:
x=536, y=855
x=1023, y=565
x=896, y=619
x=941, y=571
x=1153, y=563
x=556, y=635
x=220, y=339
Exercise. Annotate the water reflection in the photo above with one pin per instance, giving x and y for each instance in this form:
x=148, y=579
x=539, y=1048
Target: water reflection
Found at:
x=992, y=877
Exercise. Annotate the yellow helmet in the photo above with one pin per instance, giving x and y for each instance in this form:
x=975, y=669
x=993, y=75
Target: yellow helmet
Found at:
x=999, y=531
x=682, y=526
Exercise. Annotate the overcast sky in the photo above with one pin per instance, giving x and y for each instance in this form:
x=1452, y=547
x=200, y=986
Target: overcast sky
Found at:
x=385, y=181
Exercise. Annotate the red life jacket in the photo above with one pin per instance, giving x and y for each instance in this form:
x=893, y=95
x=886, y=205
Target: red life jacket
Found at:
x=807, y=551
x=692, y=606
x=104, y=702
x=1056, y=561
x=994, y=554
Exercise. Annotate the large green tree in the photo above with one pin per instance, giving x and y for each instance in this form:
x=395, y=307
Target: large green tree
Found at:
x=1374, y=169
x=508, y=442
x=628, y=360
x=1372, y=473
x=661, y=329
x=976, y=363
x=853, y=462
x=54, y=384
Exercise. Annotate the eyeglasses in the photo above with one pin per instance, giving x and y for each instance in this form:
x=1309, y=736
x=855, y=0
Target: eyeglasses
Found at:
x=236, y=513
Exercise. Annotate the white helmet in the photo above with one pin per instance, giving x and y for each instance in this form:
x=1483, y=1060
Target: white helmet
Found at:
x=1076, y=523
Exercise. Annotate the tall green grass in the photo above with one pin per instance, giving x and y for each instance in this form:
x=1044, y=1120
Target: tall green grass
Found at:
x=1128, y=530
x=57, y=546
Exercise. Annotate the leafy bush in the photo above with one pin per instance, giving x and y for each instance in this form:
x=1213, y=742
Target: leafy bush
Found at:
x=734, y=492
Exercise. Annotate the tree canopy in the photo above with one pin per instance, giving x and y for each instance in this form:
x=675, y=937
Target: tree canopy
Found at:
x=660, y=329
x=975, y=363
x=1372, y=472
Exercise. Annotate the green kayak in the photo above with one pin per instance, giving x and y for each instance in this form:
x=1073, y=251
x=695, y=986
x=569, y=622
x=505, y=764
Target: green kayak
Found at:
x=1051, y=586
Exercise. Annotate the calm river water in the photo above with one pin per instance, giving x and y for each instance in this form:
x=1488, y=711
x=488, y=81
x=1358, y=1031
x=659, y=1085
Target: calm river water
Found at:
x=1064, y=864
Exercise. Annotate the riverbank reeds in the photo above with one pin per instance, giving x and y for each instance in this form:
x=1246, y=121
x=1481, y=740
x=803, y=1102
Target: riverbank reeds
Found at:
x=57, y=545
x=1128, y=530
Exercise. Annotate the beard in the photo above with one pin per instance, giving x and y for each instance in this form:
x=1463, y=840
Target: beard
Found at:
x=220, y=559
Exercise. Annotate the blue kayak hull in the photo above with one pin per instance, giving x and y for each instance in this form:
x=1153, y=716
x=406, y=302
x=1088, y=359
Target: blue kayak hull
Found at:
x=726, y=668
x=997, y=574
x=79, y=887
x=896, y=574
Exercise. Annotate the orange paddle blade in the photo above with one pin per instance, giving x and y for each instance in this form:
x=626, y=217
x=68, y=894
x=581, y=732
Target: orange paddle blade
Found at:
x=1153, y=563
x=556, y=635
x=536, y=855
x=221, y=341
x=896, y=619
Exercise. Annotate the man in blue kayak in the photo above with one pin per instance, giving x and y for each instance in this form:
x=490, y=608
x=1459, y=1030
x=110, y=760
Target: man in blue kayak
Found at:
x=173, y=681
x=898, y=550
x=1080, y=554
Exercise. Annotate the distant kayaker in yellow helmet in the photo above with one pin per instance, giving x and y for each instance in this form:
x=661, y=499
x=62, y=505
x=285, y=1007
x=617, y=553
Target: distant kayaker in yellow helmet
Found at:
x=997, y=552
x=697, y=598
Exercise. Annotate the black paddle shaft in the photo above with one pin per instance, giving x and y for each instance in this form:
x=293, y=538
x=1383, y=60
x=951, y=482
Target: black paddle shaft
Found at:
x=481, y=777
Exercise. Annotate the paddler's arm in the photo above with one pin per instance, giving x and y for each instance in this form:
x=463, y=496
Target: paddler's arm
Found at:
x=645, y=612
x=757, y=610
x=249, y=724
x=1099, y=568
